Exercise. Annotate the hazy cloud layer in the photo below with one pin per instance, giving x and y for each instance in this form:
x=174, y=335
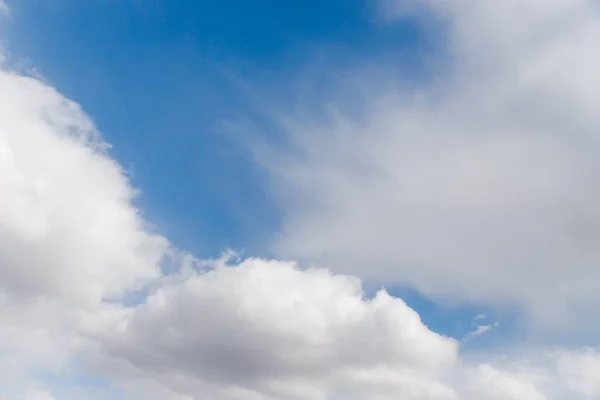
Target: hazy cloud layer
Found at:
x=483, y=185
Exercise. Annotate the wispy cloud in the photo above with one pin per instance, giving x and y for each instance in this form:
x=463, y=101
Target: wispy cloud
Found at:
x=480, y=185
x=480, y=330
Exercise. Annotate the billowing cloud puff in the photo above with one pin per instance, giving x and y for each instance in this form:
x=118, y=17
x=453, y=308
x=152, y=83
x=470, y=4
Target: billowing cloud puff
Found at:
x=262, y=329
x=270, y=329
x=69, y=234
x=68, y=228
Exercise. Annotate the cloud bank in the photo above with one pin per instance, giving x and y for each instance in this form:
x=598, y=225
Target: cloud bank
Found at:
x=481, y=185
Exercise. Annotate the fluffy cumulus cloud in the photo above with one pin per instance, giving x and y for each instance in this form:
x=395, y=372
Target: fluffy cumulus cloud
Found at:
x=268, y=330
x=73, y=246
x=265, y=329
x=481, y=185
x=69, y=235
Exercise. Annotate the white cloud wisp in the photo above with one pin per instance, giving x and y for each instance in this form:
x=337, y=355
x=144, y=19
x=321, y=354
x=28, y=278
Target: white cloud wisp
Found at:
x=482, y=185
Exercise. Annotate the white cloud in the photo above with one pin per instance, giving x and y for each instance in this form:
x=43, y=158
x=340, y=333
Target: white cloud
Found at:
x=580, y=371
x=67, y=226
x=481, y=186
x=480, y=330
x=489, y=383
x=271, y=329
x=69, y=235
x=263, y=329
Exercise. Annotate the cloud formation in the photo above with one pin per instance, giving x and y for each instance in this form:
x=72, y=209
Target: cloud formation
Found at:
x=70, y=237
x=265, y=329
x=259, y=329
x=481, y=185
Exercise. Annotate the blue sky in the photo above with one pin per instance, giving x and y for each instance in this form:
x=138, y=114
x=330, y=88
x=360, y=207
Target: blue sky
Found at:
x=160, y=80
x=443, y=150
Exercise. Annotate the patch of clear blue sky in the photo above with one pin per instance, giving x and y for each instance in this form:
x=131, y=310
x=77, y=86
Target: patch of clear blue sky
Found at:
x=155, y=77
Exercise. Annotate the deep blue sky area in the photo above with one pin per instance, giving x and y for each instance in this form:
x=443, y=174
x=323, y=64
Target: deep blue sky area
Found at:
x=161, y=78
x=156, y=76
